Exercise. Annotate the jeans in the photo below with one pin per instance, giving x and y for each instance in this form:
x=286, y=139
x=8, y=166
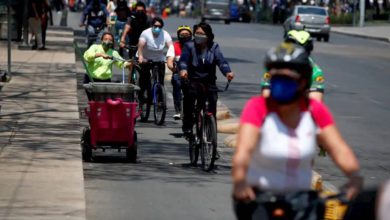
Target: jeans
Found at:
x=191, y=91
x=92, y=36
x=36, y=29
x=176, y=92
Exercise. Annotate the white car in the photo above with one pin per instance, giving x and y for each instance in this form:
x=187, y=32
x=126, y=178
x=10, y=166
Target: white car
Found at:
x=312, y=19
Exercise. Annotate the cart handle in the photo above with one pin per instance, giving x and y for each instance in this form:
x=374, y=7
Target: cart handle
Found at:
x=118, y=101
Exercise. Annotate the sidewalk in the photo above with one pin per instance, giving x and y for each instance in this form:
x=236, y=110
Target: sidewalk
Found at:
x=41, y=173
x=379, y=32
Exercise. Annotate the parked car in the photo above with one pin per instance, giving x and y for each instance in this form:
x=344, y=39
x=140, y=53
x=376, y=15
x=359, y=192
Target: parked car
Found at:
x=241, y=12
x=312, y=19
x=216, y=10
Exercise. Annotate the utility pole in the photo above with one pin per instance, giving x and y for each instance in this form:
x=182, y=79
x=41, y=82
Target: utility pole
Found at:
x=354, y=14
x=362, y=12
x=9, y=35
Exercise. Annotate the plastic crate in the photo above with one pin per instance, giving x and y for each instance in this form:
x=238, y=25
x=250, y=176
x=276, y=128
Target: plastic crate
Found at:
x=104, y=91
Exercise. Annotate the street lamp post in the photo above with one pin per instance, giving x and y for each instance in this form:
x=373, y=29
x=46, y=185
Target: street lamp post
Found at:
x=362, y=12
x=9, y=35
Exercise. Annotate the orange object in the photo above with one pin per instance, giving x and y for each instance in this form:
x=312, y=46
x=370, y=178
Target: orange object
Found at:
x=164, y=14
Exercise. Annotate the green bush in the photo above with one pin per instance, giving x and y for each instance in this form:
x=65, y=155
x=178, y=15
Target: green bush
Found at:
x=341, y=19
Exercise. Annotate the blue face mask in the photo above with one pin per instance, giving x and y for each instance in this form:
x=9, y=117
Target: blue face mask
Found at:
x=156, y=31
x=284, y=90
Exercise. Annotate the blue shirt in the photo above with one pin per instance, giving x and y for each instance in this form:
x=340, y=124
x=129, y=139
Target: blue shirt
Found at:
x=201, y=66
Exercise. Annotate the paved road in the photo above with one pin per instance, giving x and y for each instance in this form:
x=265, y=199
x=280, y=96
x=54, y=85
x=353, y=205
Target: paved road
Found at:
x=162, y=186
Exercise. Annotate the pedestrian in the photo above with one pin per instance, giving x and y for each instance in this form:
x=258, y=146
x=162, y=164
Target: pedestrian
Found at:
x=35, y=13
x=46, y=18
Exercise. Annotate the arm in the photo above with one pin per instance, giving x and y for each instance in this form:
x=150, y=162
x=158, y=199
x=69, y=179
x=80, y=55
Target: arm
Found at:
x=171, y=58
x=141, y=45
x=124, y=34
x=34, y=7
x=316, y=95
x=185, y=58
x=265, y=84
x=120, y=64
x=247, y=138
x=84, y=15
x=343, y=156
x=90, y=55
x=223, y=65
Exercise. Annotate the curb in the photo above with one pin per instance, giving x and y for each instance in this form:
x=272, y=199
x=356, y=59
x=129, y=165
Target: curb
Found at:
x=383, y=39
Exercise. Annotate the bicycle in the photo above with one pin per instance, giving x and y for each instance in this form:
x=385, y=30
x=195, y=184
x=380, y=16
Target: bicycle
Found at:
x=156, y=96
x=205, y=130
x=298, y=205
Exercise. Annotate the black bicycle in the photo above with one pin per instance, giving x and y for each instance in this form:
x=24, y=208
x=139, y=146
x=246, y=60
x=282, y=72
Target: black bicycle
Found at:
x=203, y=137
x=156, y=96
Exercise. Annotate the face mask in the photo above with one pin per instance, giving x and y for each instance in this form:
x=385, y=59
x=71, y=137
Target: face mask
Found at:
x=182, y=40
x=107, y=44
x=200, y=39
x=140, y=15
x=156, y=31
x=283, y=89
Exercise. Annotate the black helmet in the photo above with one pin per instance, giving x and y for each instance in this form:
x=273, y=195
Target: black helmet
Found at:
x=289, y=55
x=301, y=38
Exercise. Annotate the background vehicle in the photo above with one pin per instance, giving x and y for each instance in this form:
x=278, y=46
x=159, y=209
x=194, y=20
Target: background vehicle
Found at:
x=239, y=12
x=216, y=10
x=312, y=19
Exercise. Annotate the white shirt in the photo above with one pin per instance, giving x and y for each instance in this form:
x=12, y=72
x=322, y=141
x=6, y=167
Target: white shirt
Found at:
x=154, y=46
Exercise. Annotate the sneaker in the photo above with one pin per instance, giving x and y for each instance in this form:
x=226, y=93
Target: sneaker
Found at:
x=42, y=48
x=177, y=116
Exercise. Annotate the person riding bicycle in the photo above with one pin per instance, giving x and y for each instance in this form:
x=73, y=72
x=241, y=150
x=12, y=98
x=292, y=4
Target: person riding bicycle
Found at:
x=304, y=39
x=197, y=64
x=184, y=34
x=99, y=60
x=278, y=135
x=97, y=18
x=122, y=15
x=136, y=24
x=151, y=48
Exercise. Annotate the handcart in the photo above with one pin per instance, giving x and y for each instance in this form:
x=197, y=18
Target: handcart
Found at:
x=112, y=115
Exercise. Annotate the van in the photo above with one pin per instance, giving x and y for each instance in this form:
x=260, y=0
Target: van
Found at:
x=216, y=10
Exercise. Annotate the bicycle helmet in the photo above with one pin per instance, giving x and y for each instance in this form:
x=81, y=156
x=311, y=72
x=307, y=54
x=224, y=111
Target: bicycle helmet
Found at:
x=301, y=38
x=183, y=27
x=289, y=55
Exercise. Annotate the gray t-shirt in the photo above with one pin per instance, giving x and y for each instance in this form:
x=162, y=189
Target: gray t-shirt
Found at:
x=154, y=46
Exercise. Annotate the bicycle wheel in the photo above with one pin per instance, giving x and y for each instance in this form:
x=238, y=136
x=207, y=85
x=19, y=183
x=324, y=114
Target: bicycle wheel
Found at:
x=159, y=104
x=193, y=143
x=208, y=143
x=144, y=105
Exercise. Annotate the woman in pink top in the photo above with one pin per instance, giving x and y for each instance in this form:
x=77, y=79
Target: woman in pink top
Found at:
x=278, y=136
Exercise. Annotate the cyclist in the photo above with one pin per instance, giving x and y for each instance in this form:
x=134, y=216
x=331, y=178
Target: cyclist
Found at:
x=136, y=24
x=197, y=64
x=301, y=38
x=278, y=134
x=123, y=13
x=97, y=17
x=184, y=34
x=151, y=48
x=99, y=60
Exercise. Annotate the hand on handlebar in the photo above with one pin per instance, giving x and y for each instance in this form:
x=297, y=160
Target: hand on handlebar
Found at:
x=141, y=59
x=230, y=76
x=243, y=192
x=82, y=25
x=353, y=186
x=184, y=74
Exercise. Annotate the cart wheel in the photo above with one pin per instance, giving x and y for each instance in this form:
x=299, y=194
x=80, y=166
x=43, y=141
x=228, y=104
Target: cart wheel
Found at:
x=131, y=153
x=86, y=145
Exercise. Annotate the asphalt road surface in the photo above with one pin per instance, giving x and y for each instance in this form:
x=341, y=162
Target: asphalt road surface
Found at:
x=162, y=186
